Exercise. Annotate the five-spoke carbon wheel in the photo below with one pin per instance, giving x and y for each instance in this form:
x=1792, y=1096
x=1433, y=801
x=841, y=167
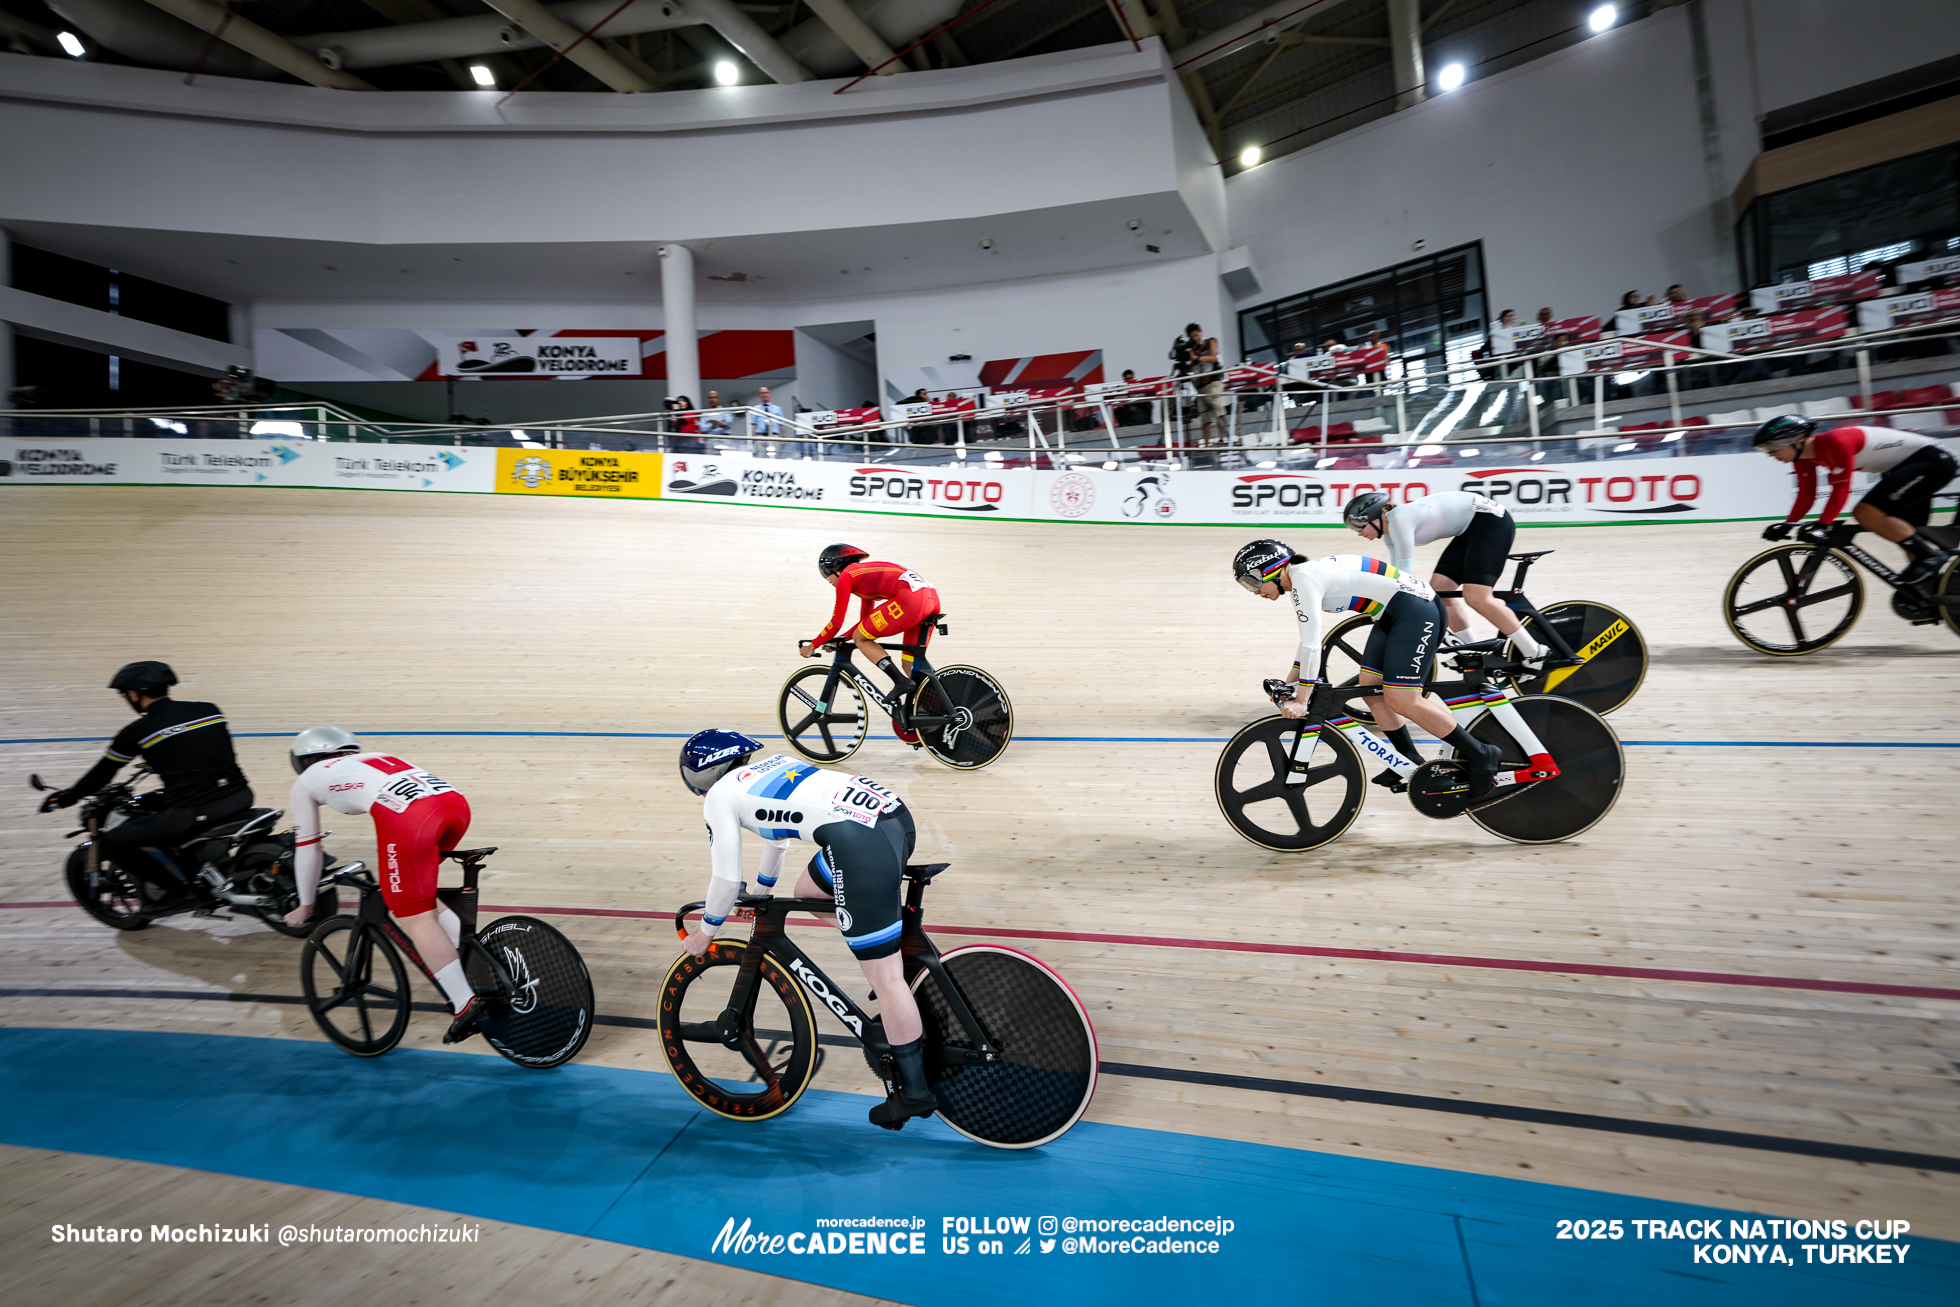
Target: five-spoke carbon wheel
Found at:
x=109, y=894
x=1046, y=1070
x=1591, y=768
x=1613, y=654
x=542, y=1013
x=765, y=1064
x=822, y=729
x=1278, y=807
x=979, y=719
x=1340, y=661
x=356, y=986
x=1793, y=599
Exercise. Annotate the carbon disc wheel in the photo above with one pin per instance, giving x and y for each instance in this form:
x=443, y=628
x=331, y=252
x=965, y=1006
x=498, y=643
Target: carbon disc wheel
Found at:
x=764, y=1067
x=1340, y=661
x=1252, y=784
x=1613, y=656
x=1046, y=1071
x=980, y=719
x=820, y=729
x=1591, y=767
x=1794, y=599
x=546, y=1017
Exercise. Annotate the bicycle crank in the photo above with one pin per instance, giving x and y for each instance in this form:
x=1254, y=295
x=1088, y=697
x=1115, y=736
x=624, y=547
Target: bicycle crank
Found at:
x=1440, y=788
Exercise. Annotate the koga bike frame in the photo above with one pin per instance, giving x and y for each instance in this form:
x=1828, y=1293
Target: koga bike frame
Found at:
x=770, y=916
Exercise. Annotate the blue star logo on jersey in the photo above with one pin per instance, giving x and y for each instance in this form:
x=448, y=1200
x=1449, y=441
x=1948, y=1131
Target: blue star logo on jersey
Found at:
x=450, y=461
x=286, y=455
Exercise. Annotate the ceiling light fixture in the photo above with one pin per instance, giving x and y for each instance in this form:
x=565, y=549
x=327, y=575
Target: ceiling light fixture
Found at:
x=72, y=44
x=1249, y=157
x=726, y=74
x=1602, y=18
x=1451, y=77
x=483, y=77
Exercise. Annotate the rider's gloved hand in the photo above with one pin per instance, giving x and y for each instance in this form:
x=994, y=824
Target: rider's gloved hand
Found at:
x=1298, y=707
x=60, y=799
x=1778, y=530
x=1840, y=533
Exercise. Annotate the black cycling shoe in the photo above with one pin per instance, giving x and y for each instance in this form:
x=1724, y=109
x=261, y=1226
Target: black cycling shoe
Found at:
x=897, y=1109
x=1923, y=569
x=1392, y=782
x=1484, y=764
x=465, y=1023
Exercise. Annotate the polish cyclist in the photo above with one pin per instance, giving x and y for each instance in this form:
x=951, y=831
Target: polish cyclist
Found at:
x=1913, y=469
x=1401, y=645
x=892, y=601
x=417, y=819
x=1480, y=532
x=863, y=834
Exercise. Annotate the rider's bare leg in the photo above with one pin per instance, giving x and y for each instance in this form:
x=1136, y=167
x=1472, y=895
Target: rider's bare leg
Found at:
x=425, y=930
x=1458, y=611
x=896, y=1005
x=1879, y=522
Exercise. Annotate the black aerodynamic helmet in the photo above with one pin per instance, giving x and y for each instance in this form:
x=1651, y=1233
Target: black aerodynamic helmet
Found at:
x=835, y=558
x=1780, y=431
x=1364, y=508
x=147, y=677
x=1259, y=562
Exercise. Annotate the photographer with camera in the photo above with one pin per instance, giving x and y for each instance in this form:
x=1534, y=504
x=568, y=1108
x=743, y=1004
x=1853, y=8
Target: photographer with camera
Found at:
x=1194, y=358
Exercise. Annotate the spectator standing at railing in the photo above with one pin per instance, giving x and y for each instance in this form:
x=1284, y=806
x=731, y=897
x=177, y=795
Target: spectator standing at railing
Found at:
x=1377, y=345
x=1677, y=295
x=714, y=422
x=764, y=416
x=1294, y=370
x=1504, y=340
x=1195, y=358
x=925, y=433
x=684, y=425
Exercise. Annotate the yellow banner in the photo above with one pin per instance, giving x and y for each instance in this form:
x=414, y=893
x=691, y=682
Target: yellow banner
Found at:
x=578, y=472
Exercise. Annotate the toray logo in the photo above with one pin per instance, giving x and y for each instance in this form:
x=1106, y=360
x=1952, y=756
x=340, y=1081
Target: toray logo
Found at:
x=966, y=496
x=1643, y=495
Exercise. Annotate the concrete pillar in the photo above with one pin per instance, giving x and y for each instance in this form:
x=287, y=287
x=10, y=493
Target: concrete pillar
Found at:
x=7, y=379
x=677, y=306
x=1405, y=47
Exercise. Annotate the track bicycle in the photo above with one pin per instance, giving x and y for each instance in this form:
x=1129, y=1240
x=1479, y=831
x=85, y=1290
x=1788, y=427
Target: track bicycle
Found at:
x=1799, y=597
x=1594, y=656
x=960, y=714
x=1292, y=784
x=1008, y=1046
x=537, y=994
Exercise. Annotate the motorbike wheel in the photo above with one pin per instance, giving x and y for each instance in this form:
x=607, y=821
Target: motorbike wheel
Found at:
x=267, y=869
x=112, y=896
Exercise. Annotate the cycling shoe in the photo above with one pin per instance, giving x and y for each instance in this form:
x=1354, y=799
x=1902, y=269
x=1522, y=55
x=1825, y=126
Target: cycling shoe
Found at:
x=897, y=1109
x=1484, y=762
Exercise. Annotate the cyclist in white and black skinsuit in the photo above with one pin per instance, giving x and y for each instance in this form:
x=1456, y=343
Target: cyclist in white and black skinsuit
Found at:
x=1480, y=533
x=1401, y=645
x=863, y=834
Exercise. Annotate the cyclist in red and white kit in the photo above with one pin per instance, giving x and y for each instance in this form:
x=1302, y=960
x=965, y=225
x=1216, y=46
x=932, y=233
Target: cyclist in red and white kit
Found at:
x=894, y=600
x=417, y=819
x=1914, y=468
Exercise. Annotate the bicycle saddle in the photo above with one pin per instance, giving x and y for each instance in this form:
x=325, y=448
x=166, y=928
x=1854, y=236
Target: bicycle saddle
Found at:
x=924, y=872
x=1528, y=557
x=470, y=855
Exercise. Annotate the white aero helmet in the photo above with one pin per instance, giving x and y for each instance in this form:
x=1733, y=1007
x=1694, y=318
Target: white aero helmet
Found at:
x=318, y=742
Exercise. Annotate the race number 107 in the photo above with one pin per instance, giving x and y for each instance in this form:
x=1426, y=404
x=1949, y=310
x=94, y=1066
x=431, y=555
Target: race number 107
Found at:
x=1583, y=1229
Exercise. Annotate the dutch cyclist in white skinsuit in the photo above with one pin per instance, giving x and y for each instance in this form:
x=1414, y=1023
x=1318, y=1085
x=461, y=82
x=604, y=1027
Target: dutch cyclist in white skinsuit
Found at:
x=863, y=835
x=1480, y=534
x=1408, y=627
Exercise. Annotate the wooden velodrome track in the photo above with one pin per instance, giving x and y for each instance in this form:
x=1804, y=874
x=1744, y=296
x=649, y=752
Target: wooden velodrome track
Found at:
x=394, y=614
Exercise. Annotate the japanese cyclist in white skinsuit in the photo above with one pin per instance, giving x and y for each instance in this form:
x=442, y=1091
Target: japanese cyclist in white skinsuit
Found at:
x=863, y=835
x=1408, y=627
x=1480, y=534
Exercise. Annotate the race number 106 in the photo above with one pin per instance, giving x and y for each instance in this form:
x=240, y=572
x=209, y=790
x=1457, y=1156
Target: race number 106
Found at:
x=1583, y=1229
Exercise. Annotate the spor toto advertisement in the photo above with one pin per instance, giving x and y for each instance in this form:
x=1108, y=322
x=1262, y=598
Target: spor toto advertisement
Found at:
x=1711, y=488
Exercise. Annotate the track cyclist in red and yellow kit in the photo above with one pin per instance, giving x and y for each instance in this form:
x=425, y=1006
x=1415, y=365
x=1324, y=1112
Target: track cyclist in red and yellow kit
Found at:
x=894, y=600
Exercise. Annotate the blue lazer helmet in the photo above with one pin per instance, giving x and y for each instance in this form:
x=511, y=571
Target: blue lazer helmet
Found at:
x=710, y=755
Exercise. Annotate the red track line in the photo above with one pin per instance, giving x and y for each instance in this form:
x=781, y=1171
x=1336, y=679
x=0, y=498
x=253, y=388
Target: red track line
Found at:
x=1315, y=951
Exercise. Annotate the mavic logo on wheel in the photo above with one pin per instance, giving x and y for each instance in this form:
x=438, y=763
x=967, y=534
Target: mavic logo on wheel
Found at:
x=810, y=982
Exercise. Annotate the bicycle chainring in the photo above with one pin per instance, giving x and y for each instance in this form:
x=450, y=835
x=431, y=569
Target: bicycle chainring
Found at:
x=1440, y=789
